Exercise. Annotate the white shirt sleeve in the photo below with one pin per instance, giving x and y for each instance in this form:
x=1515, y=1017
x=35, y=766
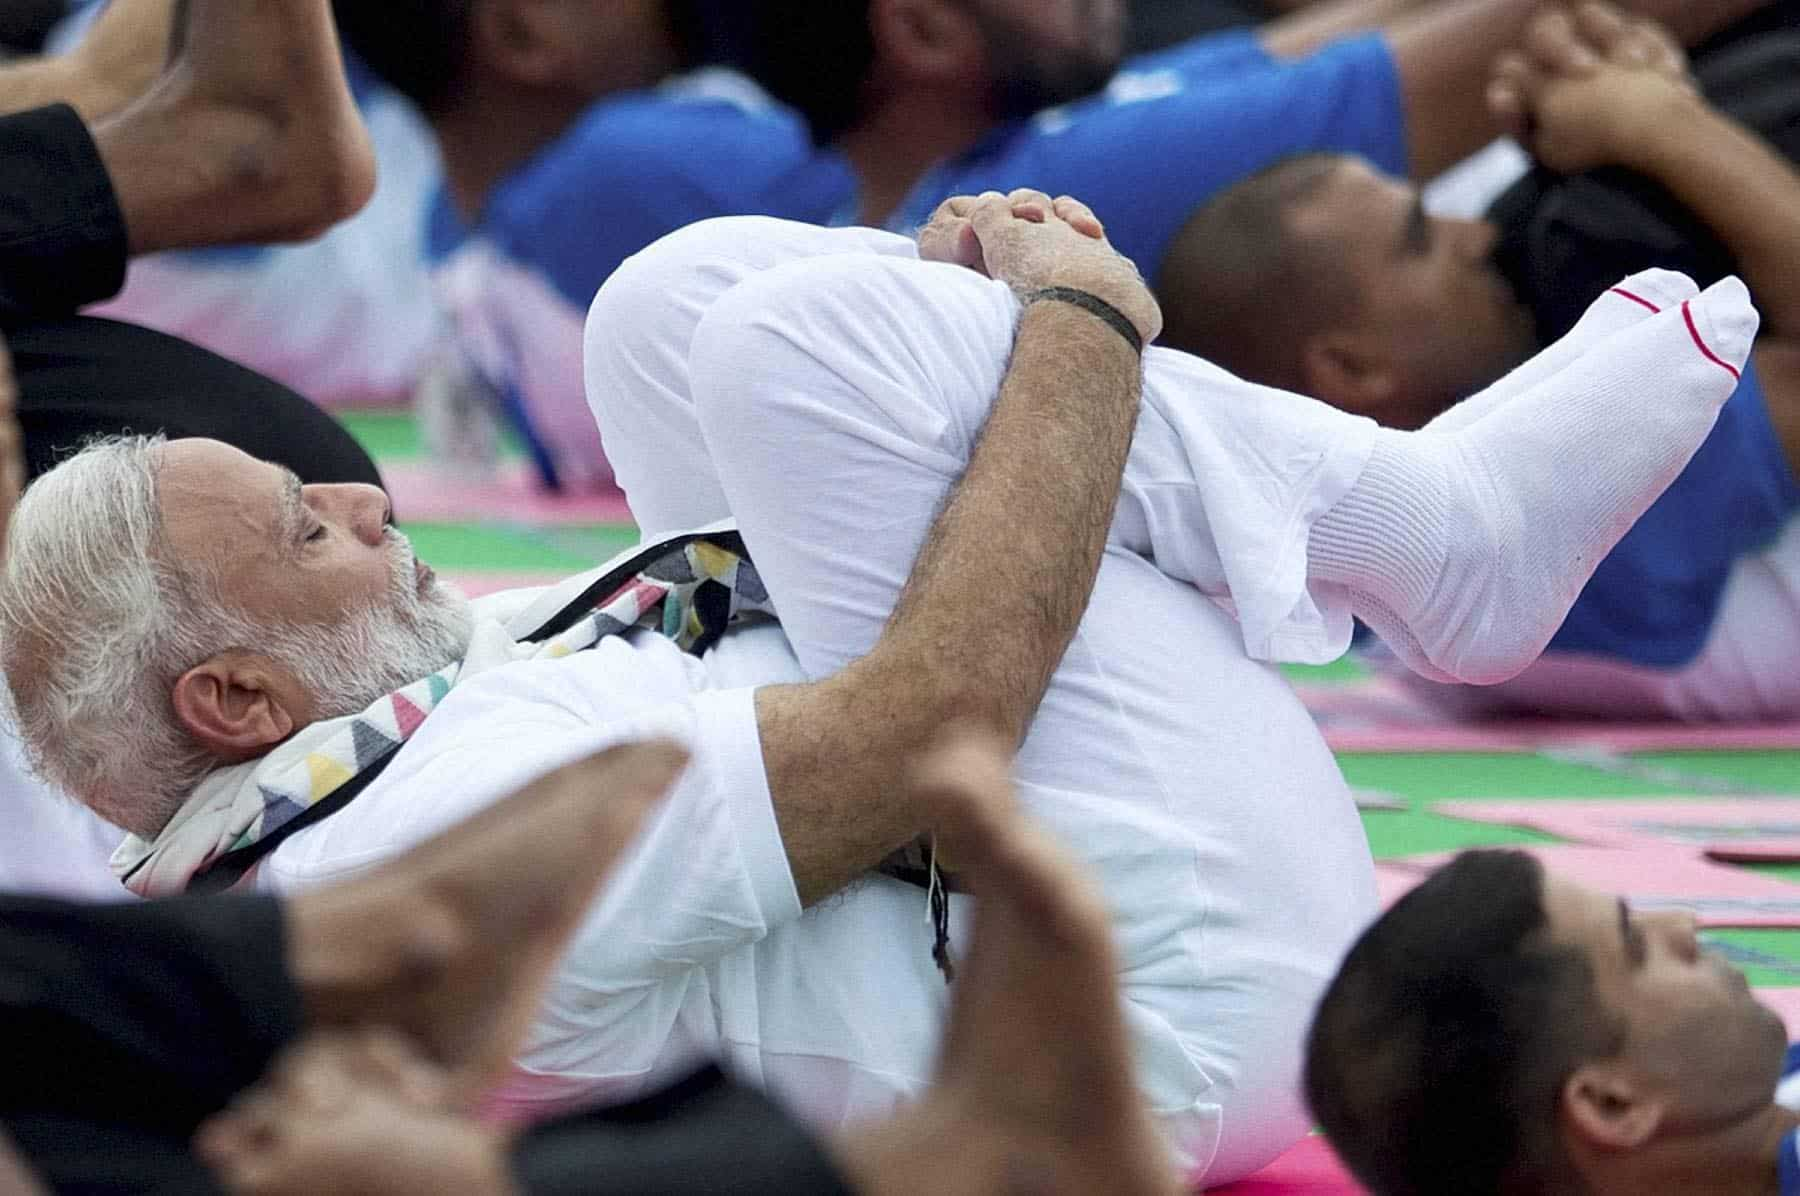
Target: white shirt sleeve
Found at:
x=708, y=872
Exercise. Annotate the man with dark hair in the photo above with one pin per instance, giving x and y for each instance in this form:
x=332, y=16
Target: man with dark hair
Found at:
x=570, y=139
x=1502, y=1030
x=1327, y=276
x=929, y=98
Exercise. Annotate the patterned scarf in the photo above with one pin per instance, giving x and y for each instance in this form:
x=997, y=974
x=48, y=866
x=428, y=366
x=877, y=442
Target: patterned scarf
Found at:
x=689, y=588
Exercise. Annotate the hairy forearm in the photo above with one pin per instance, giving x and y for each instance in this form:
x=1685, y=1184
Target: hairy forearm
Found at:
x=994, y=598
x=1740, y=188
x=1021, y=536
x=1443, y=50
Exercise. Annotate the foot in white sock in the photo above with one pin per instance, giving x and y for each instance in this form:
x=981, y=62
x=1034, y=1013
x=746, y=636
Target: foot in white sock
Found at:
x=1465, y=550
x=1631, y=302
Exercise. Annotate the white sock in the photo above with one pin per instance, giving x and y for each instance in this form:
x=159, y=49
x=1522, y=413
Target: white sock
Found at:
x=1465, y=550
x=1636, y=299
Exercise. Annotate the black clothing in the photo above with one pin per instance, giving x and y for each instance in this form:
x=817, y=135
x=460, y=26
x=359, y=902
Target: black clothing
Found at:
x=704, y=1134
x=123, y=1027
x=1565, y=239
x=81, y=377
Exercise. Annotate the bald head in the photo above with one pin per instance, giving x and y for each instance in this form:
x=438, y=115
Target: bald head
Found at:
x=1246, y=282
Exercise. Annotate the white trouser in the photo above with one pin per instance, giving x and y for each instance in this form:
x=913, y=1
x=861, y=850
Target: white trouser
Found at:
x=1747, y=671
x=826, y=389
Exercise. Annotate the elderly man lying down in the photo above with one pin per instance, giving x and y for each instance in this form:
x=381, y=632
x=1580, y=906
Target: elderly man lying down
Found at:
x=926, y=465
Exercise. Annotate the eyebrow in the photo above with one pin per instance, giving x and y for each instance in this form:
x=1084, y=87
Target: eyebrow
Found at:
x=1415, y=237
x=293, y=508
x=1632, y=936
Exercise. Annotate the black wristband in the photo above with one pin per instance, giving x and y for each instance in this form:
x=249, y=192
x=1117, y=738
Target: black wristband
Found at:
x=1095, y=304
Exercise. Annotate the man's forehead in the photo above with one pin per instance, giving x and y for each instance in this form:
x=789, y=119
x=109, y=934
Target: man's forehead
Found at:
x=211, y=491
x=1352, y=197
x=1579, y=915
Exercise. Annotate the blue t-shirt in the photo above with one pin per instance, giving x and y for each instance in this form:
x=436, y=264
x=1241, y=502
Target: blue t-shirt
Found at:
x=1653, y=599
x=634, y=168
x=1176, y=127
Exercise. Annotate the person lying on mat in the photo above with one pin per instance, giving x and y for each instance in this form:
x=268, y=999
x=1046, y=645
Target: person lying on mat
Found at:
x=877, y=425
x=1501, y=1029
x=572, y=136
x=379, y=1008
x=1387, y=312
x=1039, y=1085
x=928, y=98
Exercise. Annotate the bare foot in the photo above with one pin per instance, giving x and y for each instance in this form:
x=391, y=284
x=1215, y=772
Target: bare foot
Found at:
x=352, y=1114
x=250, y=134
x=453, y=941
x=1034, y=1090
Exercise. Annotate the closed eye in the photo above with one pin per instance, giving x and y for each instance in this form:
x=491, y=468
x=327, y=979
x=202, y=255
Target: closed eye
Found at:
x=318, y=533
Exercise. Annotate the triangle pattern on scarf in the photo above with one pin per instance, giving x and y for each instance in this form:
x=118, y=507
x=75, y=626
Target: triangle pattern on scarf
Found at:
x=278, y=811
x=370, y=743
x=327, y=774
x=408, y=717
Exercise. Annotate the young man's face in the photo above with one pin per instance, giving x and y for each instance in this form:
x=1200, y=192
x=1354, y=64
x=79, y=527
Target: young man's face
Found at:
x=1694, y=1032
x=1438, y=309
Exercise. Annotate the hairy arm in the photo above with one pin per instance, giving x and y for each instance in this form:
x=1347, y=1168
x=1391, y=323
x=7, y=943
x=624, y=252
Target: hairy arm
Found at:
x=1440, y=47
x=975, y=634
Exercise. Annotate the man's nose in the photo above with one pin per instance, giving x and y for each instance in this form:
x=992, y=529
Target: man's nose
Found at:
x=1680, y=932
x=362, y=508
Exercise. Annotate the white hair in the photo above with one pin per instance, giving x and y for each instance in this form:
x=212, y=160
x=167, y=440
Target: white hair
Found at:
x=98, y=621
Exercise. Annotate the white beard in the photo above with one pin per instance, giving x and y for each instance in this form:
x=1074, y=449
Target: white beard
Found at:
x=372, y=652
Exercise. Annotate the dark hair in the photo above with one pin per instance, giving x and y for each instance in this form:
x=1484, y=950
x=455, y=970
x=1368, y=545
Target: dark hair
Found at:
x=1437, y=1057
x=812, y=55
x=1241, y=288
x=418, y=47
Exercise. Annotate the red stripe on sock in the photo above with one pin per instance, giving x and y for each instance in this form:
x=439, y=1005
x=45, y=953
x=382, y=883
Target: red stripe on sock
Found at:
x=1639, y=299
x=1694, y=331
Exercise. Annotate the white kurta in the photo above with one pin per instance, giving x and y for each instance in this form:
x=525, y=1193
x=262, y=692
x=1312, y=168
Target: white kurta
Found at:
x=829, y=405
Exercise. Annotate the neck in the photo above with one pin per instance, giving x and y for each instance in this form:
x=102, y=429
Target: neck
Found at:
x=1737, y=1159
x=902, y=138
x=484, y=139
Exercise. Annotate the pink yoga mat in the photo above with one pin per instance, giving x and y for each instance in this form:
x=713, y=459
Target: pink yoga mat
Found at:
x=1751, y=829
x=1651, y=878
x=1310, y=1169
x=426, y=493
x=1378, y=714
x=1786, y=1002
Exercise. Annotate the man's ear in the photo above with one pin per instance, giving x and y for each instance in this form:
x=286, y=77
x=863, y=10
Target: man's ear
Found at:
x=520, y=40
x=925, y=38
x=1348, y=372
x=1607, y=1109
x=236, y=704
